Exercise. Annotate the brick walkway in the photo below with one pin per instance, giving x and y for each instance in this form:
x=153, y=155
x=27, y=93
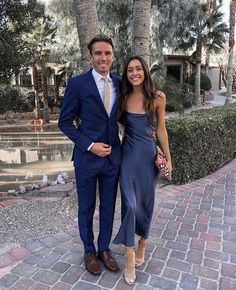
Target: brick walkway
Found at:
x=192, y=245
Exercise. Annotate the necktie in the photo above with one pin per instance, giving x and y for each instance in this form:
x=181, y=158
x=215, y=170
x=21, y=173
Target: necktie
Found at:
x=106, y=99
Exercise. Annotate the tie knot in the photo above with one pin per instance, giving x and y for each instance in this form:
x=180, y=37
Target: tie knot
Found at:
x=106, y=79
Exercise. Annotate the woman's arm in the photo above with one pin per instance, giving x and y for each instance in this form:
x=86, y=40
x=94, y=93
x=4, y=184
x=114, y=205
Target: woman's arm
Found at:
x=161, y=132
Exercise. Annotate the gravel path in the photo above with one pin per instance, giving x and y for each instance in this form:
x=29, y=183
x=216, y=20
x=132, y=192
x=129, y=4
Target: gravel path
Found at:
x=35, y=219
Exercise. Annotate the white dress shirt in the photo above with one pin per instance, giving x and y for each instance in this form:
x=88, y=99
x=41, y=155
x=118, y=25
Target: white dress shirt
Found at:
x=101, y=88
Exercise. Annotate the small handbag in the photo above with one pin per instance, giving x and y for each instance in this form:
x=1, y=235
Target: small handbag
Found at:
x=161, y=163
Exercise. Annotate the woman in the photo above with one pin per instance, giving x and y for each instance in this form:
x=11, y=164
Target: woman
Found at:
x=142, y=112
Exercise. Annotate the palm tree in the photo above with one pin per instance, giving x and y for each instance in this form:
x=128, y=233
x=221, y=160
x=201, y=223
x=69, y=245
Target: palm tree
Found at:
x=208, y=31
x=141, y=28
x=232, y=9
x=42, y=35
x=216, y=34
x=87, y=27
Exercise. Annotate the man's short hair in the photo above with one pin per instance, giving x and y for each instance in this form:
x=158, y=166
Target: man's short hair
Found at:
x=100, y=38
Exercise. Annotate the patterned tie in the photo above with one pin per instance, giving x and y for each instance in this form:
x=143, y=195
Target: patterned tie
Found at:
x=106, y=99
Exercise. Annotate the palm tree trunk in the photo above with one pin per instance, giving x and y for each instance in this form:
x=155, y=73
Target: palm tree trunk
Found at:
x=207, y=62
x=141, y=29
x=231, y=51
x=197, y=99
x=46, y=115
x=36, y=90
x=87, y=27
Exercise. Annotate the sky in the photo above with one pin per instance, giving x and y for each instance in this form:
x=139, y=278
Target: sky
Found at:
x=225, y=9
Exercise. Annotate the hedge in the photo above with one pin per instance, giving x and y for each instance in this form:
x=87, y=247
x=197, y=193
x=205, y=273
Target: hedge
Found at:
x=202, y=142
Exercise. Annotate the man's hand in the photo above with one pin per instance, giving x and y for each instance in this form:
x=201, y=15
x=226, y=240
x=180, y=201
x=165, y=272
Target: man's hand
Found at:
x=101, y=149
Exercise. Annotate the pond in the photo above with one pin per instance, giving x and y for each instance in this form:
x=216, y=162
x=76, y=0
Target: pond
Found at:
x=29, y=153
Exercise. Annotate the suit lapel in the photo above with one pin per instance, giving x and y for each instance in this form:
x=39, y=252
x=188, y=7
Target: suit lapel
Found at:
x=117, y=87
x=94, y=89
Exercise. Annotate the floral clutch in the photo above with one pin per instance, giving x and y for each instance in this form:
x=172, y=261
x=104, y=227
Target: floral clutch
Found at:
x=161, y=163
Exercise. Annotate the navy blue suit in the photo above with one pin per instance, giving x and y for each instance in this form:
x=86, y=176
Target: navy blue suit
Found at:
x=82, y=99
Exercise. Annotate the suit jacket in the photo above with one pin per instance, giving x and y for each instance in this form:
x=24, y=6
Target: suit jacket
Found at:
x=82, y=99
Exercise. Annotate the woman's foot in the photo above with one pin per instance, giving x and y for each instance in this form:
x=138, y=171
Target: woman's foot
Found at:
x=129, y=272
x=140, y=253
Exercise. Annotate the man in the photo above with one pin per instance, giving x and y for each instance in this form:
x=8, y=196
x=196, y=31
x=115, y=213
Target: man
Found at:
x=94, y=100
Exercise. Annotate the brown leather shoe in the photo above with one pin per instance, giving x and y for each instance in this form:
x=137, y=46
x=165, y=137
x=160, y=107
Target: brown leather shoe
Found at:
x=92, y=263
x=108, y=261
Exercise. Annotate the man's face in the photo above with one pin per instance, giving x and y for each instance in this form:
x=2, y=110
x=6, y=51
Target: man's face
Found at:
x=102, y=57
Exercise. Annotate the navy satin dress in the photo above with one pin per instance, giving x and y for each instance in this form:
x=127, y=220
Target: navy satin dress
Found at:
x=137, y=178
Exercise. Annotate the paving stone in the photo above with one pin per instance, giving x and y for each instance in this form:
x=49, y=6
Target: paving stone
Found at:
x=229, y=236
x=62, y=237
x=109, y=279
x=60, y=267
x=189, y=233
x=201, y=227
x=189, y=281
x=194, y=257
x=39, y=286
x=49, y=242
x=77, y=249
x=197, y=244
x=88, y=277
x=211, y=263
x=202, y=219
x=217, y=255
x=63, y=248
x=173, y=225
x=20, y=253
x=208, y=284
x=179, y=265
x=210, y=237
x=171, y=273
x=142, y=287
x=8, y=280
x=233, y=259
x=72, y=275
x=228, y=270
x=46, y=277
x=73, y=258
x=22, y=284
x=227, y=284
x=205, y=272
x=166, y=205
x=176, y=246
x=85, y=286
x=6, y=260
x=169, y=234
x=213, y=246
x=24, y=270
x=162, y=283
x=61, y=286
x=33, y=260
x=219, y=226
x=182, y=239
x=34, y=246
x=229, y=247
x=154, y=266
x=177, y=255
x=48, y=261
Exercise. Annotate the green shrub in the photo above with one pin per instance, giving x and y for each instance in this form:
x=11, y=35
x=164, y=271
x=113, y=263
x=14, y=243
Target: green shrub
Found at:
x=176, y=98
x=13, y=99
x=205, y=81
x=202, y=142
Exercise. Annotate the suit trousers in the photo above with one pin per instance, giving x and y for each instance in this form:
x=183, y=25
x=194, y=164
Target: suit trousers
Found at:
x=86, y=180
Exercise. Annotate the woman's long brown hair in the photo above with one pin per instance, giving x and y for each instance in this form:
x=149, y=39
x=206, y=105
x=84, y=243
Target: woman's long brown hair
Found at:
x=148, y=89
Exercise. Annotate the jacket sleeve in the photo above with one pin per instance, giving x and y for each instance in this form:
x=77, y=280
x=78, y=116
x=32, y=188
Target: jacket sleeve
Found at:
x=69, y=111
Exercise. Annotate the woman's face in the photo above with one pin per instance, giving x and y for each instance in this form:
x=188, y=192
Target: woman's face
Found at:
x=135, y=73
